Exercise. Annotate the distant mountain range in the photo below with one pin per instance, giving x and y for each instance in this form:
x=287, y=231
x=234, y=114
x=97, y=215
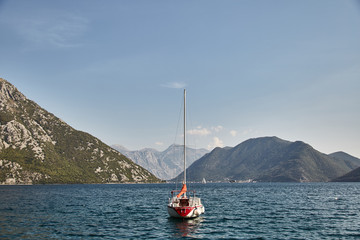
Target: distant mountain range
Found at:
x=38, y=147
x=166, y=164
x=270, y=159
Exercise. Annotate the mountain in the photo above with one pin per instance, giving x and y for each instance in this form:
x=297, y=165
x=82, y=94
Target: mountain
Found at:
x=350, y=160
x=38, y=147
x=269, y=159
x=166, y=164
x=352, y=176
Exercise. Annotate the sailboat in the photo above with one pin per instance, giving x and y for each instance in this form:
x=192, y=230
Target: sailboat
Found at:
x=184, y=203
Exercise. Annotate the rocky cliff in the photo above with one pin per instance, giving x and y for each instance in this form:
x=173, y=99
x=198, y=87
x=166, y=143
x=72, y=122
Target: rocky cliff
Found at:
x=164, y=164
x=38, y=147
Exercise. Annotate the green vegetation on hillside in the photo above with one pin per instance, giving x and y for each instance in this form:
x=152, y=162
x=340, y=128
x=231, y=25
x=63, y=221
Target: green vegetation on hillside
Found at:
x=37, y=147
x=269, y=159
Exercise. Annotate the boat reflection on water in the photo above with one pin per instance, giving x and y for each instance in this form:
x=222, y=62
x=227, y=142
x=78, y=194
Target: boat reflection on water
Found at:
x=185, y=227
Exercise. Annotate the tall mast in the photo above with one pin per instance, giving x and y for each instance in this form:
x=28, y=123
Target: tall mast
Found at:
x=185, y=137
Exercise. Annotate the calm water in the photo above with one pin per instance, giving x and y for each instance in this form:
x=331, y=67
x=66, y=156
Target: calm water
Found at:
x=232, y=211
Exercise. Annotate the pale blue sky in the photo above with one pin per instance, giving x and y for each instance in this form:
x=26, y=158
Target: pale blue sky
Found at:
x=252, y=68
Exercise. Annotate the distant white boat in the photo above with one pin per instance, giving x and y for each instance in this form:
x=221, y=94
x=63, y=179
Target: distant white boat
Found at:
x=204, y=181
x=180, y=205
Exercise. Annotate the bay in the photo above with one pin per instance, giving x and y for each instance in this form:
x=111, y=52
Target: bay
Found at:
x=138, y=211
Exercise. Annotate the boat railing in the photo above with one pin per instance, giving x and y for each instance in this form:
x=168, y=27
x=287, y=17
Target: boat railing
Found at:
x=192, y=201
x=195, y=201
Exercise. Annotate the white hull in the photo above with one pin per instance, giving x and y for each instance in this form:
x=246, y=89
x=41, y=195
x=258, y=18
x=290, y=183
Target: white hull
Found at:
x=185, y=207
x=195, y=212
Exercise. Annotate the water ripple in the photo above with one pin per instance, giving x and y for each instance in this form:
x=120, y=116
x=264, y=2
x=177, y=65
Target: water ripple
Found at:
x=233, y=211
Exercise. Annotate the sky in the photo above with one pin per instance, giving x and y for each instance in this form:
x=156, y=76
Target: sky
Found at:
x=251, y=68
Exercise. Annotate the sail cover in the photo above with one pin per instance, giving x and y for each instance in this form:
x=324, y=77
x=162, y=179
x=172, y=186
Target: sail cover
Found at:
x=183, y=190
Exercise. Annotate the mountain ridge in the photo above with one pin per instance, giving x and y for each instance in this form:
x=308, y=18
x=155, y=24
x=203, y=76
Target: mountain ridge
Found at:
x=269, y=159
x=353, y=176
x=163, y=164
x=38, y=147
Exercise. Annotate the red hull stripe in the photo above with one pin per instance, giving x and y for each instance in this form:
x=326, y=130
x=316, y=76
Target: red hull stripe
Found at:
x=183, y=211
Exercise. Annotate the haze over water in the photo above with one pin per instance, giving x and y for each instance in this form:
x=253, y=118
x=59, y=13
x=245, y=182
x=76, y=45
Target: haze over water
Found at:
x=232, y=211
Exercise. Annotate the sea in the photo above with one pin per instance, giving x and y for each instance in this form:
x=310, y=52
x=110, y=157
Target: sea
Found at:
x=139, y=211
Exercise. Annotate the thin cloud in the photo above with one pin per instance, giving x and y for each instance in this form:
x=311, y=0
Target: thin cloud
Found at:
x=62, y=31
x=233, y=133
x=216, y=142
x=174, y=85
x=217, y=128
x=199, y=131
x=159, y=143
